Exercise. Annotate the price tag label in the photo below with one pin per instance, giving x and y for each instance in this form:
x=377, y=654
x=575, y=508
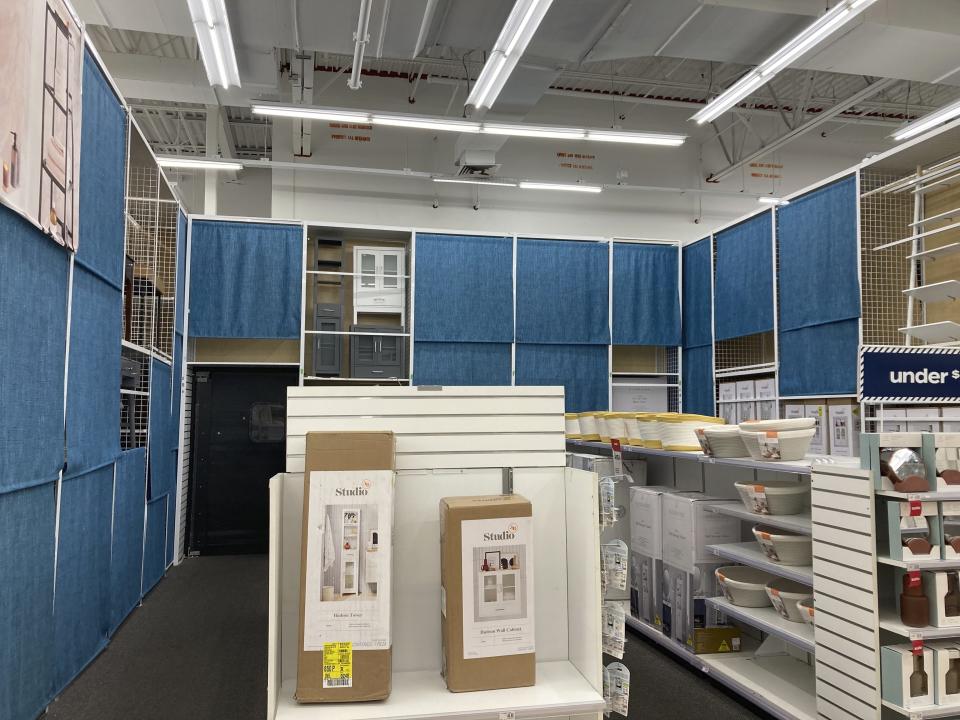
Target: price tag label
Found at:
x=917, y=646
x=617, y=456
x=508, y=715
x=916, y=508
x=913, y=579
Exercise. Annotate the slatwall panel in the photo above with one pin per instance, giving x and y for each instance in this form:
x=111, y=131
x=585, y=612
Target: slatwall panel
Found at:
x=185, y=463
x=845, y=594
x=441, y=428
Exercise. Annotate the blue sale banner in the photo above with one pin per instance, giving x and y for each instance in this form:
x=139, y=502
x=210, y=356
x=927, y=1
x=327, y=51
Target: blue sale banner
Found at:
x=894, y=374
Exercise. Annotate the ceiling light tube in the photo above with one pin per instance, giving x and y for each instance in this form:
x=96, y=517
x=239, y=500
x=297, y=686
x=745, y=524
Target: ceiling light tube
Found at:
x=426, y=123
x=770, y=200
x=799, y=46
x=212, y=27
x=308, y=113
x=638, y=138
x=529, y=185
x=517, y=31
x=197, y=163
x=928, y=122
x=468, y=181
x=559, y=133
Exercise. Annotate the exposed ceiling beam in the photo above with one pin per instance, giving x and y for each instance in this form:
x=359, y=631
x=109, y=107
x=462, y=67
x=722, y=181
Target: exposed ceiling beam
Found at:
x=820, y=119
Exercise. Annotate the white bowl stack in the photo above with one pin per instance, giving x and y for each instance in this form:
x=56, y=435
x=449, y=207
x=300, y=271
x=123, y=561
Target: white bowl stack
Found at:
x=780, y=497
x=805, y=608
x=785, y=595
x=783, y=547
x=587, y=422
x=791, y=441
x=617, y=425
x=678, y=431
x=725, y=441
x=744, y=586
x=603, y=427
x=572, y=424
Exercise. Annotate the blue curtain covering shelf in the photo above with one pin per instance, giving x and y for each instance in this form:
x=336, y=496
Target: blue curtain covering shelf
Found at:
x=646, y=294
x=743, y=279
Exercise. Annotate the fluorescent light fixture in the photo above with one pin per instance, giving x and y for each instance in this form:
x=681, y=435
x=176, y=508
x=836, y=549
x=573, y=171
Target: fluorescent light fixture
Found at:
x=212, y=26
x=517, y=31
x=928, y=122
x=427, y=123
x=468, y=181
x=443, y=124
x=770, y=200
x=528, y=185
x=197, y=163
x=823, y=27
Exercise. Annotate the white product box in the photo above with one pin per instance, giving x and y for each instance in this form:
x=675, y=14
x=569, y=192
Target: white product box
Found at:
x=645, y=515
x=728, y=411
x=894, y=420
x=898, y=665
x=728, y=391
x=746, y=390
x=946, y=684
x=683, y=597
x=688, y=528
x=937, y=586
x=766, y=389
x=645, y=578
x=951, y=418
x=767, y=410
x=844, y=423
x=927, y=425
x=746, y=411
x=794, y=411
x=820, y=444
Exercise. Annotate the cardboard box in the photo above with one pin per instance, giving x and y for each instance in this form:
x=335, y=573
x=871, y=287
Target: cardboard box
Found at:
x=897, y=664
x=767, y=410
x=645, y=529
x=945, y=652
x=645, y=578
x=746, y=411
x=901, y=526
x=766, y=389
x=844, y=422
x=951, y=418
x=684, y=607
x=486, y=589
x=929, y=421
x=794, y=411
x=716, y=640
x=728, y=411
x=746, y=390
x=688, y=528
x=944, y=611
x=820, y=445
x=894, y=420
x=728, y=391
x=346, y=563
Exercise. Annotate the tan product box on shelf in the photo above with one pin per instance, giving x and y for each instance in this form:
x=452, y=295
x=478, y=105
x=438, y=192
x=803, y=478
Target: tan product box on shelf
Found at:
x=766, y=410
x=683, y=597
x=946, y=670
x=746, y=411
x=820, y=445
x=894, y=419
x=486, y=592
x=645, y=514
x=728, y=411
x=347, y=518
x=711, y=640
x=688, y=527
x=766, y=389
x=907, y=680
x=728, y=391
x=844, y=423
x=791, y=411
x=928, y=419
x=746, y=390
x=943, y=594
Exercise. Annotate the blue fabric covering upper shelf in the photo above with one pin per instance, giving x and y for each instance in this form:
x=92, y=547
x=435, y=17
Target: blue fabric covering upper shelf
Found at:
x=464, y=289
x=245, y=279
x=646, y=294
x=163, y=465
x=697, y=294
x=126, y=556
x=583, y=370
x=743, y=281
x=154, y=545
x=698, y=389
x=562, y=292
x=459, y=363
x=817, y=236
x=820, y=360
x=82, y=602
x=33, y=331
x=103, y=147
x=93, y=410
x=26, y=600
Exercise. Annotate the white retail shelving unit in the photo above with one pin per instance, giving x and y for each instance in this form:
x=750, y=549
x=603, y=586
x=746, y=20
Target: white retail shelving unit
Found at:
x=451, y=442
x=799, y=524
x=749, y=553
x=769, y=621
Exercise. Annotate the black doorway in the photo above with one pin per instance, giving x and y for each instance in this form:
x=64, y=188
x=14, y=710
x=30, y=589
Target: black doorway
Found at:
x=238, y=438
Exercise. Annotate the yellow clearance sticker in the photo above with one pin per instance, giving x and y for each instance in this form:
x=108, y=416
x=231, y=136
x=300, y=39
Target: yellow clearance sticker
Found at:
x=337, y=665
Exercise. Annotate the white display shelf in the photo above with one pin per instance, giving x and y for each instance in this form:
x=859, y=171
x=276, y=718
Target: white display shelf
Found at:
x=560, y=690
x=932, y=496
x=890, y=621
x=952, y=564
x=778, y=684
x=769, y=621
x=634, y=450
x=923, y=713
x=936, y=253
x=935, y=292
x=750, y=554
x=938, y=332
x=799, y=467
x=794, y=523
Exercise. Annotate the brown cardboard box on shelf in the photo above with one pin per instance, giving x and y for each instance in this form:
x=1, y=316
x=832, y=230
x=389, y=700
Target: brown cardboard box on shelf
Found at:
x=345, y=563
x=486, y=578
x=709, y=640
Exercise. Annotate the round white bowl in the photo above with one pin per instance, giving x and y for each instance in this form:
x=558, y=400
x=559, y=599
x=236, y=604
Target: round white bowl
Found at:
x=779, y=425
x=790, y=445
x=725, y=441
x=783, y=547
x=588, y=426
x=678, y=431
x=634, y=436
x=805, y=608
x=603, y=427
x=617, y=426
x=744, y=586
x=785, y=594
x=773, y=498
x=572, y=421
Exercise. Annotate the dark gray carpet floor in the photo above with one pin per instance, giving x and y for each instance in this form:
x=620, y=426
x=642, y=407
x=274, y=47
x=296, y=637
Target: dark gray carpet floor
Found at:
x=197, y=650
